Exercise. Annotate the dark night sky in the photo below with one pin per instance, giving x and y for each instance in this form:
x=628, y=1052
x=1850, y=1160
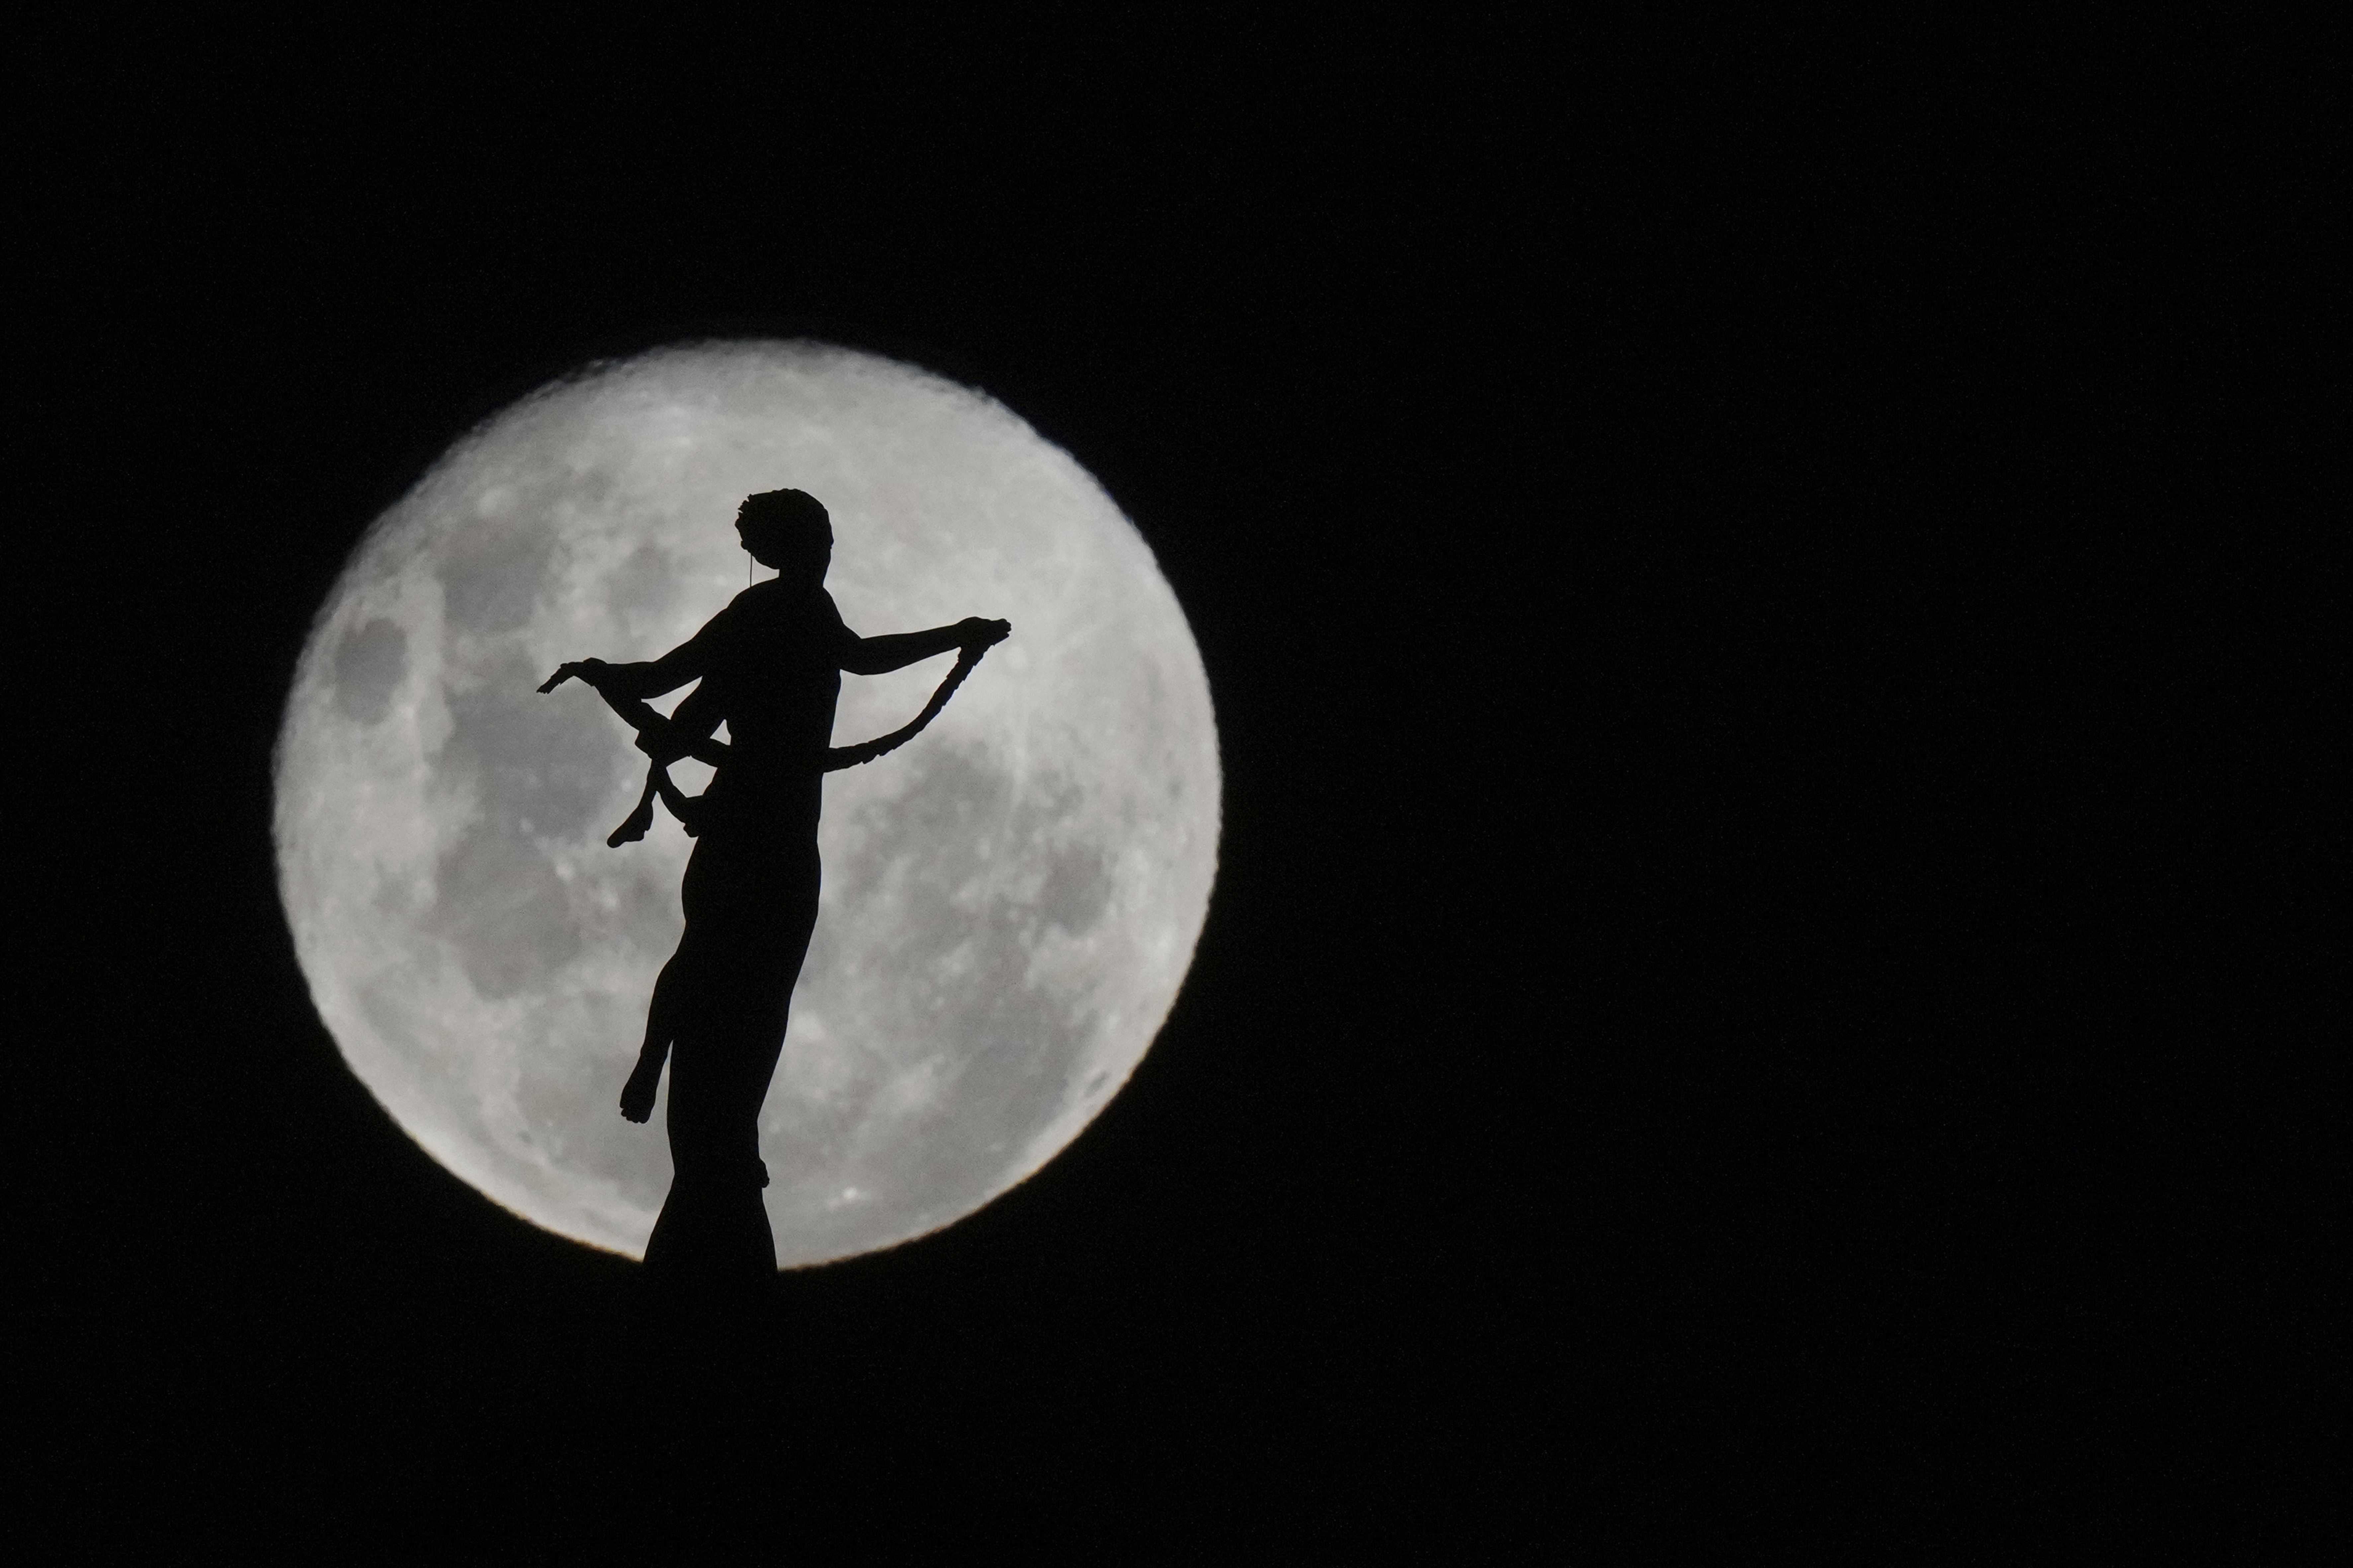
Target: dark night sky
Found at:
x=1725, y=572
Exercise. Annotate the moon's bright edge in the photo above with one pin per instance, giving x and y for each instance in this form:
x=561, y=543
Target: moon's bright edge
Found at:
x=1010, y=902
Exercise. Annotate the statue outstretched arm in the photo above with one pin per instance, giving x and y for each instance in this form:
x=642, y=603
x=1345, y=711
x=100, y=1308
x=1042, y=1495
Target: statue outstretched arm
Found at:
x=880, y=656
x=839, y=757
x=687, y=732
x=690, y=660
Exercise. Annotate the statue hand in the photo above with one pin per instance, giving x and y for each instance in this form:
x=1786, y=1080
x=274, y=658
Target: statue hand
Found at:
x=973, y=633
x=663, y=743
x=590, y=670
x=638, y=1094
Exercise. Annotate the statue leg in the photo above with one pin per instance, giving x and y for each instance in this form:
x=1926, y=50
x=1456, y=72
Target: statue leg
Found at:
x=728, y=1030
x=661, y=1027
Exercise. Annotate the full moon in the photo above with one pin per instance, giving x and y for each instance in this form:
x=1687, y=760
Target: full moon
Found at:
x=1011, y=902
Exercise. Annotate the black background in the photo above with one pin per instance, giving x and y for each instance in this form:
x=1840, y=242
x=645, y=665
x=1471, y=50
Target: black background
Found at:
x=1741, y=577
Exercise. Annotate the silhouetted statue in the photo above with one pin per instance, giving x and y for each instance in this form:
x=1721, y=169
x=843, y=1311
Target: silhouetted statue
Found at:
x=770, y=664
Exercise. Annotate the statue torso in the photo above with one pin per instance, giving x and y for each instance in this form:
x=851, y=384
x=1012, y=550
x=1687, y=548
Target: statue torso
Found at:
x=776, y=672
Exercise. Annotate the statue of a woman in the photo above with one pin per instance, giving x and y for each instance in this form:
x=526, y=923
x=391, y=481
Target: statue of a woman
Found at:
x=770, y=664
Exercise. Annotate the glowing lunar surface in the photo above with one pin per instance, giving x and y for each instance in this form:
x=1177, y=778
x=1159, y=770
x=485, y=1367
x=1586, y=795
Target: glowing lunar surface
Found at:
x=1011, y=902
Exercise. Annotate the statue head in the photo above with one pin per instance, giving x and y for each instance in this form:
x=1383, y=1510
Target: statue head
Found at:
x=787, y=531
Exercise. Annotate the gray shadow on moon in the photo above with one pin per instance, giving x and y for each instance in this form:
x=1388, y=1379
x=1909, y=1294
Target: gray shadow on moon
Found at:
x=369, y=666
x=1010, y=902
